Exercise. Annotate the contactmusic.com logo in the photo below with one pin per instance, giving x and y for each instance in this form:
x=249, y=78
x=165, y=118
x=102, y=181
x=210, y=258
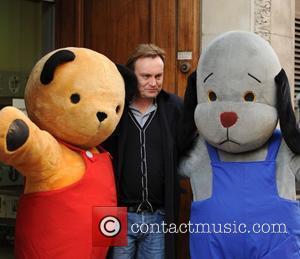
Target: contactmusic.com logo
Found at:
x=109, y=226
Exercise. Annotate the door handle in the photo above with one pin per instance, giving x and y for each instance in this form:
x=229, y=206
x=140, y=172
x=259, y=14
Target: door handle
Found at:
x=185, y=67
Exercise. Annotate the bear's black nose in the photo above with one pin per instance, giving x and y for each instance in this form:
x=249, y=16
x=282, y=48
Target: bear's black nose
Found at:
x=101, y=116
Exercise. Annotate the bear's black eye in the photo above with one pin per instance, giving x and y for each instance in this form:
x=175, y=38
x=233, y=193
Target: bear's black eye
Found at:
x=212, y=96
x=118, y=108
x=75, y=98
x=249, y=97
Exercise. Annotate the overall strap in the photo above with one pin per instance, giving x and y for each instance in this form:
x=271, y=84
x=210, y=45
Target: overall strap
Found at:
x=274, y=144
x=213, y=153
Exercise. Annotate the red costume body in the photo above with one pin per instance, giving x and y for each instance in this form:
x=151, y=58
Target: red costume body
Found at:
x=58, y=224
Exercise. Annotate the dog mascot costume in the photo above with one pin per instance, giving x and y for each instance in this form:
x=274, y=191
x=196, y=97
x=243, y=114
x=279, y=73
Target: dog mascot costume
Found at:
x=74, y=100
x=241, y=171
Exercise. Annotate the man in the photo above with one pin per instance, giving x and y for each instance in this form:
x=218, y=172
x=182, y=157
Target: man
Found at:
x=145, y=155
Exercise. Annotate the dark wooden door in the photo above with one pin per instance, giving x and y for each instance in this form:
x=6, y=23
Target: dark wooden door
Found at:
x=115, y=27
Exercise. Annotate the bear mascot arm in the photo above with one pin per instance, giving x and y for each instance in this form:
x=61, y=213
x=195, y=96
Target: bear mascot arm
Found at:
x=23, y=145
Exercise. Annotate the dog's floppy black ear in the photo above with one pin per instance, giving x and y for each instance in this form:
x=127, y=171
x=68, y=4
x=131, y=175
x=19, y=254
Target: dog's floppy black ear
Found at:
x=187, y=126
x=288, y=124
x=59, y=57
x=190, y=97
x=130, y=81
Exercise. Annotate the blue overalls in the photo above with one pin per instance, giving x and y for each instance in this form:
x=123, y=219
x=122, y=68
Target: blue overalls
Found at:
x=245, y=218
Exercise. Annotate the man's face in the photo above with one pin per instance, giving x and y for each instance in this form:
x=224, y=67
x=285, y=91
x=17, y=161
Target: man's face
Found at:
x=149, y=72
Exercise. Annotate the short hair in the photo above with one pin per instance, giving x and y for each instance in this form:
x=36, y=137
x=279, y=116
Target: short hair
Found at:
x=145, y=50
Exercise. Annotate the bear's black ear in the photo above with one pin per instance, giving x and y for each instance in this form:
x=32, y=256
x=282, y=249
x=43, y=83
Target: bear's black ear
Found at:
x=130, y=81
x=288, y=124
x=59, y=57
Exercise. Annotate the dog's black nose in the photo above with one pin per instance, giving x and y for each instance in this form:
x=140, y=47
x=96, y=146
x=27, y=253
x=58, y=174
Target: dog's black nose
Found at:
x=101, y=116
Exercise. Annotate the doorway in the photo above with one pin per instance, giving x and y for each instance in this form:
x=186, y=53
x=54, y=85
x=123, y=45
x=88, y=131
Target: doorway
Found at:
x=115, y=27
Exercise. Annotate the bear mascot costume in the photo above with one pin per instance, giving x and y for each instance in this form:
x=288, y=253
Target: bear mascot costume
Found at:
x=241, y=170
x=74, y=99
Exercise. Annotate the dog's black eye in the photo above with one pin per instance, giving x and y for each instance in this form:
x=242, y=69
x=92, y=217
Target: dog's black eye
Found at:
x=75, y=98
x=212, y=96
x=249, y=97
